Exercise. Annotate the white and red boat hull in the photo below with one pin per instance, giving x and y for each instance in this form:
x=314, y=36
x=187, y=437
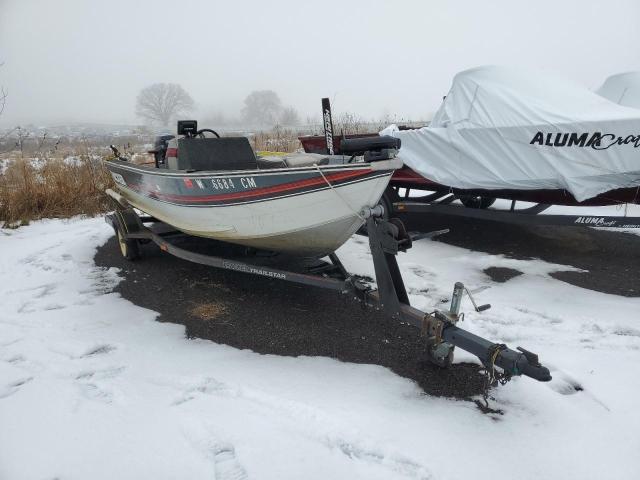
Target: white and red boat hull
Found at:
x=306, y=211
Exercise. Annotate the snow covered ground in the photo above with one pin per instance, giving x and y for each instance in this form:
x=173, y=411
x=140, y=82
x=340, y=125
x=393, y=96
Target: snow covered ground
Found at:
x=91, y=387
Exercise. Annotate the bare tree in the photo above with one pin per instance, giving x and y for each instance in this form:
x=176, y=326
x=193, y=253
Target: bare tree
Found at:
x=351, y=123
x=161, y=102
x=3, y=99
x=22, y=135
x=262, y=108
x=3, y=96
x=290, y=117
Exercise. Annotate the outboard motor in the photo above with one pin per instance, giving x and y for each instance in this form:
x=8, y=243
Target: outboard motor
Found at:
x=373, y=148
x=160, y=149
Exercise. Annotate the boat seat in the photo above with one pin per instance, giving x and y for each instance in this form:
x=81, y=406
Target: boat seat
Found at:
x=305, y=160
x=266, y=162
x=226, y=153
x=291, y=160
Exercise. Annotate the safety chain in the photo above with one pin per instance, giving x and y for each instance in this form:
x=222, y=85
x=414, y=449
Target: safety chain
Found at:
x=492, y=376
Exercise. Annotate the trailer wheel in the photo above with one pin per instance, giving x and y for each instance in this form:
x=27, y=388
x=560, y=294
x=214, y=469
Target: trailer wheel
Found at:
x=129, y=248
x=389, y=197
x=477, y=201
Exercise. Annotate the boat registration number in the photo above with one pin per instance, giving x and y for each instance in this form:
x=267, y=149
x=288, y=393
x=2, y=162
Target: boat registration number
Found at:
x=229, y=184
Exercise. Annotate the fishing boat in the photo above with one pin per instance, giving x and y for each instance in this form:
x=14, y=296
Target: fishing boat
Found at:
x=216, y=187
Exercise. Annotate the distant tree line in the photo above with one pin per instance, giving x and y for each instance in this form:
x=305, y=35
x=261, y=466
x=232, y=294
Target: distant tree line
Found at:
x=263, y=108
x=162, y=103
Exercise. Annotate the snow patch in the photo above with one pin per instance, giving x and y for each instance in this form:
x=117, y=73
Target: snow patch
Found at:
x=91, y=386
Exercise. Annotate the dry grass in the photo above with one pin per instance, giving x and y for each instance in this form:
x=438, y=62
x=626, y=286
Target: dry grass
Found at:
x=52, y=187
x=281, y=139
x=208, y=311
x=276, y=140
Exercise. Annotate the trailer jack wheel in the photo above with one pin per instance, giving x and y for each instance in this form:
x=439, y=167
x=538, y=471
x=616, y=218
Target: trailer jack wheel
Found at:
x=129, y=248
x=440, y=354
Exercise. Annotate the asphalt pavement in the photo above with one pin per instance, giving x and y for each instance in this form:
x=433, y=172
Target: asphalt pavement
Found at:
x=269, y=316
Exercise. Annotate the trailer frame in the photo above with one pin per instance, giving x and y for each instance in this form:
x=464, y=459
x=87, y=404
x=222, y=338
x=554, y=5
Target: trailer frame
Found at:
x=386, y=239
x=442, y=203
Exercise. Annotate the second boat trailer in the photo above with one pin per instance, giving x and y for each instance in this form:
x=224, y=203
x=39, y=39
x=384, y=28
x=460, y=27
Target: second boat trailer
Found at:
x=442, y=203
x=386, y=239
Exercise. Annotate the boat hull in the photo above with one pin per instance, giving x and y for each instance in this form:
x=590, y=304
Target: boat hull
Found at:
x=300, y=211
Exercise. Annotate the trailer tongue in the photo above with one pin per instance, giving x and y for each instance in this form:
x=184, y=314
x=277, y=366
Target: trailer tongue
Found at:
x=386, y=239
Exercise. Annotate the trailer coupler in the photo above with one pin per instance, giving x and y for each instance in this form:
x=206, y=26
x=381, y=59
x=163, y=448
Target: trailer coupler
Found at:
x=443, y=336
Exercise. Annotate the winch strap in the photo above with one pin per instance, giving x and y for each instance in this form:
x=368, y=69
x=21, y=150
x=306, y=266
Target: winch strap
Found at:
x=358, y=214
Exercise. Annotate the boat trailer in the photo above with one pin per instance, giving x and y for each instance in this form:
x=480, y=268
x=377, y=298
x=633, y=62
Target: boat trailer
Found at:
x=442, y=203
x=386, y=239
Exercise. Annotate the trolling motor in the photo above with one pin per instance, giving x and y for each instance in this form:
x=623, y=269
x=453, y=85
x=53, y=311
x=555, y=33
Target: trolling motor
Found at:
x=386, y=239
x=117, y=154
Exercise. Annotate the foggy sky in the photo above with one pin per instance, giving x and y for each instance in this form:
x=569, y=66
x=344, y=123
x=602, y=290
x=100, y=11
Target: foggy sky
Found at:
x=81, y=60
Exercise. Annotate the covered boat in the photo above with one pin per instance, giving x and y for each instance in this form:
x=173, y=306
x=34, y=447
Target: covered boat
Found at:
x=507, y=129
x=623, y=89
x=301, y=204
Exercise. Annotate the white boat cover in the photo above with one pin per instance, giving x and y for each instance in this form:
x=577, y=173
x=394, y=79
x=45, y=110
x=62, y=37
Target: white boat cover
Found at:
x=502, y=128
x=623, y=89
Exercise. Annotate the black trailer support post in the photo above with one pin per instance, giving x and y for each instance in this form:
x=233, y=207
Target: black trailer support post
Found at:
x=386, y=239
x=525, y=216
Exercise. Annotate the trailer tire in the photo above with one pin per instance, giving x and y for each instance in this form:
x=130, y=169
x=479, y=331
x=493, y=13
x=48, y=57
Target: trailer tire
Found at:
x=129, y=248
x=389, y=197
x=477, y=201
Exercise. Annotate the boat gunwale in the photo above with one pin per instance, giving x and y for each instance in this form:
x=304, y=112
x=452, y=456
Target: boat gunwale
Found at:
x=391, y=164
x=246, y=202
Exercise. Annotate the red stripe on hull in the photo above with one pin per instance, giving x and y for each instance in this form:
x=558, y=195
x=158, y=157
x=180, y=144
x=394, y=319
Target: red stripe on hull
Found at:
x=263, y=191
